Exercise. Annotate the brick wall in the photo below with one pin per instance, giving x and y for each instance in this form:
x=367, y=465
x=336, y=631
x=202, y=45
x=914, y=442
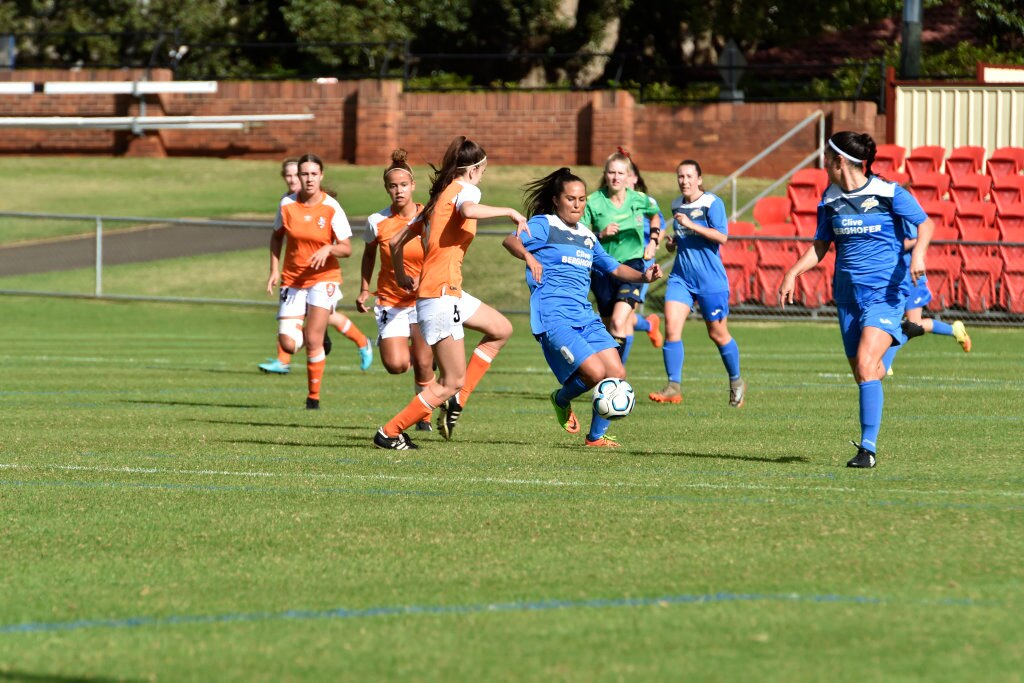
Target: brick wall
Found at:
x=361, y=122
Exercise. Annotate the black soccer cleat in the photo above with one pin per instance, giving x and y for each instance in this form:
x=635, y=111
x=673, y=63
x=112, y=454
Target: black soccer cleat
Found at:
x=864, y=459
x=395, y=443
x=328, y=344
x=312, y=404
x=424, y=426
x=450, y=412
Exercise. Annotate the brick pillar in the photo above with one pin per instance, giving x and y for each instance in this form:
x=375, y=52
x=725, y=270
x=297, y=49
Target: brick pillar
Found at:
x=377, y=121
x=612, y=125
x=149, y=144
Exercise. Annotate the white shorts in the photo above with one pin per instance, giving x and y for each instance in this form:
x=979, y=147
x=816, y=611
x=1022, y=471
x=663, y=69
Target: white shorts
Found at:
x=394, y=321
x=443, y=317
x=294, y=300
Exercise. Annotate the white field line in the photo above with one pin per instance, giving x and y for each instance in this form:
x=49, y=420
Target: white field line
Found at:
x=496, y=480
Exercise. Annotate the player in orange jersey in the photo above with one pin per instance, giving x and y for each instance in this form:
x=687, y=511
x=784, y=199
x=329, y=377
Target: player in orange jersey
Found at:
x=318, y=235
x=442, y=307
x=282, y=364
x=398, y=336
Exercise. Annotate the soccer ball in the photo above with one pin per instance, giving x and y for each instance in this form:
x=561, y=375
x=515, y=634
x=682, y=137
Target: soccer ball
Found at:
x=613, y=398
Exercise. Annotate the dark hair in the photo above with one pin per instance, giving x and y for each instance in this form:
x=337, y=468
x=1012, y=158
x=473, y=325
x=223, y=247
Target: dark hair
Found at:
x=857, y=145
x=288, y=162
x=539, y=196
x=618, y=155
x=398, y=161
x=462, y=153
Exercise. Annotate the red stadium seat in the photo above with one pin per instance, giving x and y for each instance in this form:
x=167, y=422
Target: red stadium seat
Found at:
x=1011, y=289
x=1005, y=161
x=774, y=258
x=966, y=160
x=978, y=280
x=930, y=187
x=1011, y=222
x=740, y=260
x=889, y=160
x=970, y=188
x=942, y=212
x=814, y=287
x=978, y=233
x=808, y=183
x=943, y=273
x=925, y=159
x=742, y=228
x=805, y=215
x=948, y=234
x=974, y=215
x=1008, y=191
x=772, y=210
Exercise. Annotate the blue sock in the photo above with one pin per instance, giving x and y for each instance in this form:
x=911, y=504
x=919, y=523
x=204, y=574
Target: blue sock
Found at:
x=731, y=358
x=641, y=324
x=889, y=356
x=598, y=427
x=939, y=327
x=673, y=354
x=871, y=400
x=625, y=347
x=572, y=388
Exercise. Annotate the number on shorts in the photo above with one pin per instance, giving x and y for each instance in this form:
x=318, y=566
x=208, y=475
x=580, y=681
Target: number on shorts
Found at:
x=458, y=316
x=384, y=317
x=284, y=294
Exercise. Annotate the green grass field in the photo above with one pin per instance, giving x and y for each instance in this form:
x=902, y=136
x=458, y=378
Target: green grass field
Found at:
x=224, y=188
x=170, y=513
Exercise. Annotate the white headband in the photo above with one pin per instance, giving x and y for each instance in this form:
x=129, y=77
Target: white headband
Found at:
x=473, y=165
x=844, y=154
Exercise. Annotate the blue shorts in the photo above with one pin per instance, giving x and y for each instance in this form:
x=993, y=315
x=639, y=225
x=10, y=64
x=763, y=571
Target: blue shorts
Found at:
x=608, y=289
x=882, y=312
x=919, y=296
x=713, y=305
x=565, y=348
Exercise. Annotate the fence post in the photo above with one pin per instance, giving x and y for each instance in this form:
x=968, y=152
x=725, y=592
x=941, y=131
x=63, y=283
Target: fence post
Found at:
x=99, y=256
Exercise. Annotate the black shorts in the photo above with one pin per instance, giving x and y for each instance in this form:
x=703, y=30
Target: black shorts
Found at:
x=608, y=290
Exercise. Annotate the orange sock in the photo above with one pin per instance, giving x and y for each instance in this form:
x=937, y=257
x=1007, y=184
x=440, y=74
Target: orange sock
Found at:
x=479, y=364
x=416, y=411
x=349, y=329
x=315, y=373
x=283, y=357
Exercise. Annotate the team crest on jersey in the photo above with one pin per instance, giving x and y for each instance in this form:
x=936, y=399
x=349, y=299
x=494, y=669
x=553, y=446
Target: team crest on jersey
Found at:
x=589, y=243
x=869, y=204
x=321, y=222
x=694, y=213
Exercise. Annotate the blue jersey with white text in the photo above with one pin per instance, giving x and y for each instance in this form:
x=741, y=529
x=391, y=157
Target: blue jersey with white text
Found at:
x=697, y=260
x=567, y=254
x=866, y=225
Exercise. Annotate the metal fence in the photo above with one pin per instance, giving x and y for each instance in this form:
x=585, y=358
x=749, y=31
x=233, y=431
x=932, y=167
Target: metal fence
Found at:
x=211, y=262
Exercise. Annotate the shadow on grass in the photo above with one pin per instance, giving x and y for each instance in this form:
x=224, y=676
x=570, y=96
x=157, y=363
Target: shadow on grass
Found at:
x=283, y=425
x=14, y=675
x=199, y=404
x=626, y=450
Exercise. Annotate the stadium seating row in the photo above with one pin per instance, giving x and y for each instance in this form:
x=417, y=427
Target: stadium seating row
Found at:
x=893, y=162
x=977, y=271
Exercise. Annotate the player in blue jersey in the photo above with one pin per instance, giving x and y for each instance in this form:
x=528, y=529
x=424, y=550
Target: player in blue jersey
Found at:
x=700, y=227
x=862, y=214
x=651, y=323
x=560, y=253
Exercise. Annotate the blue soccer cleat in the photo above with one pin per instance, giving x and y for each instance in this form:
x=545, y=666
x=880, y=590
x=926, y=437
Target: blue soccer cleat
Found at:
x=275, y=367
x=366, y=356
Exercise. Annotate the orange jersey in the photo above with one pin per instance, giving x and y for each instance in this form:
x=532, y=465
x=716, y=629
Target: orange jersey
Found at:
x=446, y=239
x=307, y=229
x=382, y=226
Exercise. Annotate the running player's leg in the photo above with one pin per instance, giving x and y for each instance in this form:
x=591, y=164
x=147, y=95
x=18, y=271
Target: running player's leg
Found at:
x=678, y=303
x=611, y=366
x=422, y=367
x=316, y=359
x=344, y=324
x=496, y=329
x=715, y=309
